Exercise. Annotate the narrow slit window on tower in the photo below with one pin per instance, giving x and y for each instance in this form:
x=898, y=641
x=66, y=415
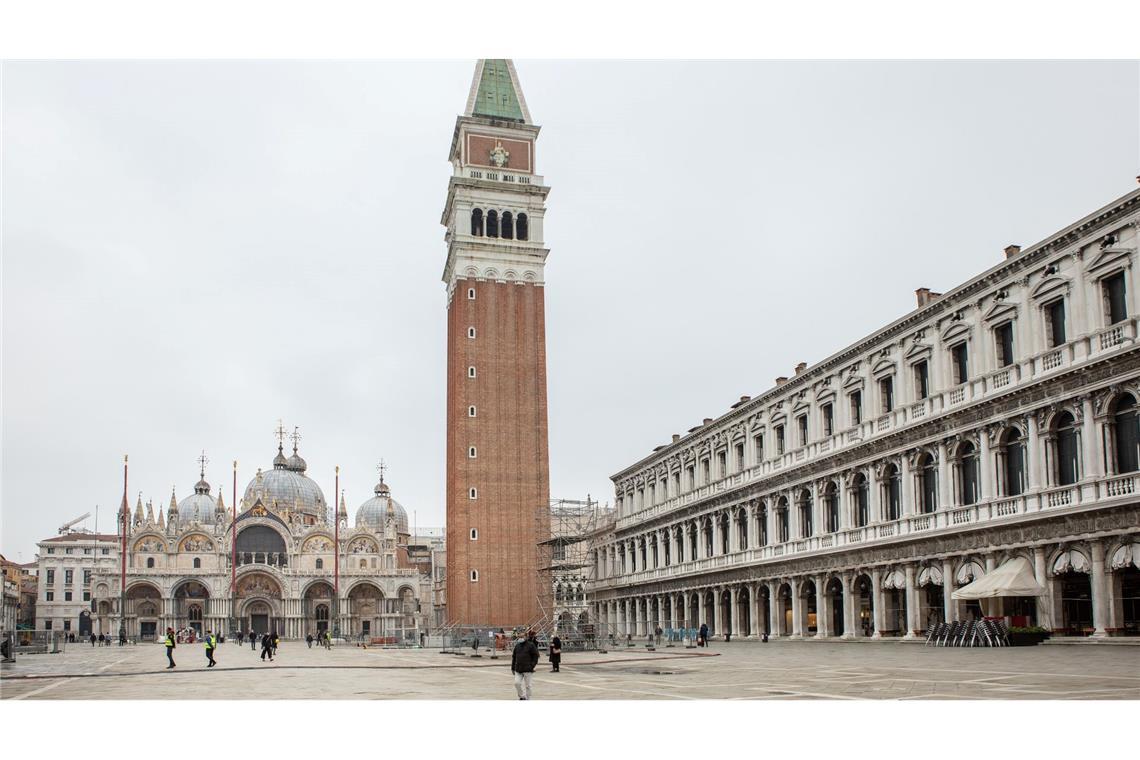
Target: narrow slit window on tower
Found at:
x=470, y=294
x=470, y=332
x=472, y=493
x=474, y=576
x=470, y=372
x=522, y=232
x=508, y=231
x=471, y=452
x=471, y=411
x=477, y=222
x=474, y=534
x=493, y=224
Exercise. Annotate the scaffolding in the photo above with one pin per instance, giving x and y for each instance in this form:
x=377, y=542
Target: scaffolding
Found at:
x=566, y=573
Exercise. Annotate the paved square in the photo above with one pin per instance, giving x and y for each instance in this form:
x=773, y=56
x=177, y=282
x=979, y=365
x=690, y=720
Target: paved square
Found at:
x=740, y=670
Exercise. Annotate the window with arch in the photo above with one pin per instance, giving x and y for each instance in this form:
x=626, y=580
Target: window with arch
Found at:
x=806, y=507
x=471, y=297
x=927, y=484
x=471, y=452
x=692, y=540
x=471, y=411
x=470, y=332
x=474, y=576
x=320, y=564
x=477, y=222
x=862, y=491
x=522, y=230
x=892, y=490
x=1011, y=455
x=762, y=526
x=1066, y=467
x=474, y=534
x=470, y=372
x=967, y=474
x=508, y=226
x=472, y=493
x=197, y=562
x=724, y=535
x=1125, y=435
x=709, y=542
x=493, y=224
x=742, y=529
x=782, y=521
x=150, y=562
x=831, y=507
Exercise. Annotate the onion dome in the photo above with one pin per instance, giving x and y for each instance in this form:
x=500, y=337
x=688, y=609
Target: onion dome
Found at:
x=374, y=512
x=296, y=463
x=279, y=461
x=199, y=506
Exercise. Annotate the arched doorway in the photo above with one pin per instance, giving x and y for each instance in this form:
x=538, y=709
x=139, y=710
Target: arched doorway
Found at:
x=784, y=611
x=366, y=607
x=834, y=591
x=931, y=599
x=143, y=605
x=1075, y=593
x=259, y=604
x=894, y=603
x=744, y=612
x=725, y=611
x=764, y=611
x=318, y=607
x=190, y=600
x=694, y=611
x=1127, y=587
x=809, y=600
x=864, y=606
x=710, y=611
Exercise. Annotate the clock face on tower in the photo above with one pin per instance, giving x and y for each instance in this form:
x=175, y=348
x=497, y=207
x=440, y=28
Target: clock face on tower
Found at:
x=499, y=155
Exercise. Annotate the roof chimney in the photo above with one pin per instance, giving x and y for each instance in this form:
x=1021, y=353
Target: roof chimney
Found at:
x=1012, y=250
x=676, y=437
x=706, y=420
x=781, y=380
x=925, y=296
x=801, y=367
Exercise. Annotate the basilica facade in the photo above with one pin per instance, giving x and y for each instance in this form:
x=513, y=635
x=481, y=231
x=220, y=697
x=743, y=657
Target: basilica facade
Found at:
x=995, y=423
x=277, y=567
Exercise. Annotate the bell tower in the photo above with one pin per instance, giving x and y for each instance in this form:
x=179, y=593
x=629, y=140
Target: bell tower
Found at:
x=498, y=482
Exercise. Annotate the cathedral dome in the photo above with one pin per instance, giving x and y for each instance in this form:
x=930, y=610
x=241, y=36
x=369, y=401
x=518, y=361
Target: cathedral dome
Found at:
x=287, y=488
x=374, y=512
x=198, y=506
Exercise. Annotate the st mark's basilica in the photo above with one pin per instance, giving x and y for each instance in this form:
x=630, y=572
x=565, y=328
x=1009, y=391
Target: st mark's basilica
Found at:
x=184, y=571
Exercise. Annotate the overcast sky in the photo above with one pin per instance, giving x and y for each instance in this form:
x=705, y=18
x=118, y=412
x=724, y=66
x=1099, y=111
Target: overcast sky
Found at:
x=194, y=250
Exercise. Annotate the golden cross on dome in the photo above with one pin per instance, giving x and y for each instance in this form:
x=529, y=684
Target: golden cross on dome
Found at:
x=381, y=468
x=296, y=438
x=202, y=462
x=280, y=433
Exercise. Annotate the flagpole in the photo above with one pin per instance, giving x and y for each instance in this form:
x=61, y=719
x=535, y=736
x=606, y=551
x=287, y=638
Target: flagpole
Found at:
x=233, y=559
x=336, y=557
x=123, y=563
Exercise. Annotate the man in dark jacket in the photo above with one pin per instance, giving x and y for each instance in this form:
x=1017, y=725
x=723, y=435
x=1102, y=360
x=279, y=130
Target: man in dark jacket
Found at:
x=266, y=647
x=524, y=658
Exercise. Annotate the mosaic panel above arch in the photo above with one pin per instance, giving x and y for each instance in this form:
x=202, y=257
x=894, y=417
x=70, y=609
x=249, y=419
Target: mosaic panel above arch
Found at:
x=317, y=544
x=195, y=542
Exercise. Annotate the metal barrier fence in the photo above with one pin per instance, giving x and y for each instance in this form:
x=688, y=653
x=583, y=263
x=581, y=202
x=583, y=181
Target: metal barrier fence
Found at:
x=32, y=642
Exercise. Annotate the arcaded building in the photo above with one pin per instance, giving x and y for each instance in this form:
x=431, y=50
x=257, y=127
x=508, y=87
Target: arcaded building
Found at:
x=995, y=421
x=287, y=572
x=498, y=481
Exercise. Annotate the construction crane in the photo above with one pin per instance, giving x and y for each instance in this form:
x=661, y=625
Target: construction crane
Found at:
x=67, y=525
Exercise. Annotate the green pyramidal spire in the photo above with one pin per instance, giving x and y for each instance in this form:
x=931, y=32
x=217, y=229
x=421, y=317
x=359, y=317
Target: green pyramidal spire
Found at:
x=495, y=92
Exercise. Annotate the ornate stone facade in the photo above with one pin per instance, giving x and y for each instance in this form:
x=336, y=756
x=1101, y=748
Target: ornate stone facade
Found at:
x=181, y=566
x=995, y=421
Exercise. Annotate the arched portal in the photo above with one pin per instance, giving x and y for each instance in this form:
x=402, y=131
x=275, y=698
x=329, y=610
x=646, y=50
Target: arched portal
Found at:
x=190, y=602
x=834, y=591
x=694, y=611
x=1127, y=587
x=366, y=608
x=1074, y=590
x=710, y=611
x=764, y=611
x=784, y=611
x=810, y=601
x=744, y=612
x=144, y=604
x=318, y=607
x=259, y=604
x=726, y=611
x=262, y=545
x=864, y=606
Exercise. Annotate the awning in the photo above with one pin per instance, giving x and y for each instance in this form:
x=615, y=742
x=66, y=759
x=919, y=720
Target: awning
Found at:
x=1014, y=578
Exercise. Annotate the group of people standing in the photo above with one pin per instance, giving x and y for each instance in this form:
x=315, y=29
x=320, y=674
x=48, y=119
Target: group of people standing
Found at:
x=269, y=644
x=323, y=639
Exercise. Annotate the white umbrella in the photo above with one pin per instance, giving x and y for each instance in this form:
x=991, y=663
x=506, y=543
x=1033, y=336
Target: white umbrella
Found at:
x=1014, y=578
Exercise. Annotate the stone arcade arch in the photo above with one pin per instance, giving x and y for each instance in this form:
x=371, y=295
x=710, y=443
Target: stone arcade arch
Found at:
x=366, y=610
x=259, y=603
x=144, y=610
x=834, y=592
x=317, y=607
x=864, y=599
x=809, y=606
x=1072, y=592
x=744, y=612
x=784, y=610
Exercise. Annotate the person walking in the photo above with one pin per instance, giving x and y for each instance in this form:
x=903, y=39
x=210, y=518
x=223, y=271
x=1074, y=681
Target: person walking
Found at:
x=523, y=660
x=211, y=644
x=309, y=640
x=703, y=636
x=170, y=647
x=267, y=647
x=92, y=640
x=276, y=642
x=555, y=654
x=253, y=641
x=328, y=641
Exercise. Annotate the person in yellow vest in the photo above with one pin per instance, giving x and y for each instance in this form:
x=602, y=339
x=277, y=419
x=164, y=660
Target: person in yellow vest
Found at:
x=170, y=647
x=211, y=644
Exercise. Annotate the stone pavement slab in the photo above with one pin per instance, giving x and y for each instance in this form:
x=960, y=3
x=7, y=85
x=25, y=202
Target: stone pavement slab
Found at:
x=740, y=670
